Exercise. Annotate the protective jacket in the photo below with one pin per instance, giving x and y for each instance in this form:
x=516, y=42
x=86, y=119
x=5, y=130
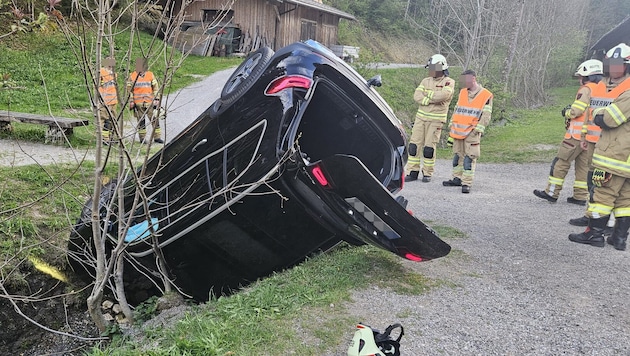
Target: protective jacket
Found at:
x=107, y=88
x=612, y=151
x=588, y=94
x=145, y=87
x=614, y=87
x=434, y=96
x=468, y=113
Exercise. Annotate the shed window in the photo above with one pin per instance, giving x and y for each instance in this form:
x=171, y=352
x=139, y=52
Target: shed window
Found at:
x=309, y=30
x=218, y=16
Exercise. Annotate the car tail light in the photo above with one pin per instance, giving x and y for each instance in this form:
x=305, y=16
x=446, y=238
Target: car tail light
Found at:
x=413, y=257
x=287, y=82
x=319, y=176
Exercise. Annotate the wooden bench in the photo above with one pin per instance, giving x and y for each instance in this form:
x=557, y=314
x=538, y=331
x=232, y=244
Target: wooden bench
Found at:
x=58, y=127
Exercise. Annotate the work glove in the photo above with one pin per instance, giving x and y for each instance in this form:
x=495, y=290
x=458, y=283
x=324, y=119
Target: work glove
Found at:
x=600, y=177
x=565, y=111
x=450, y=141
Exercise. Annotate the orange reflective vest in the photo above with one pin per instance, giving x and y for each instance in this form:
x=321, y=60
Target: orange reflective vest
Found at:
x=599, y=101
x=616, y=91
x=107, y=89
x=142, y=87
x=467, y=113
x=576, y=127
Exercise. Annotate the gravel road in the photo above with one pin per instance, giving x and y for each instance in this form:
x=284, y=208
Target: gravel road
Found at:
x=515, y=285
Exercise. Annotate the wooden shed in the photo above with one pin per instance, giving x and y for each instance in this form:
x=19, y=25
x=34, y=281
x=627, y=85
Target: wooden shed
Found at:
x=254, y=23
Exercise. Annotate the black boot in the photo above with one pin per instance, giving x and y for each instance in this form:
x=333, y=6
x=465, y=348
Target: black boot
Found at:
x=413, y=175
x=544, y=195
x=455, y=182
x=594, y=233
x=620, y=233
x=581, y=221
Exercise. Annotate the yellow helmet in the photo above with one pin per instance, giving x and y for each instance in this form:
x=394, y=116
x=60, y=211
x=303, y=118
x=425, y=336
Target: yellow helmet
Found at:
x=621, y=50
x=590, y=67
x=437, y=59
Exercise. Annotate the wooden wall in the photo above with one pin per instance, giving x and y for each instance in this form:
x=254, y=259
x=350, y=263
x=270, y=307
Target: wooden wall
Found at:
x=277, y=25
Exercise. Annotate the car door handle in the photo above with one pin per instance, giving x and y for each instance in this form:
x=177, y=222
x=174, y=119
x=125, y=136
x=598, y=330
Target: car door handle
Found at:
x=200, y=143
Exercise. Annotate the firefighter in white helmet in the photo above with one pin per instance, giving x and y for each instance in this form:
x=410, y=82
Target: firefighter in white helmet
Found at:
x=434, y=94
x=611, y=175
x=617, y=79
x=575, y=146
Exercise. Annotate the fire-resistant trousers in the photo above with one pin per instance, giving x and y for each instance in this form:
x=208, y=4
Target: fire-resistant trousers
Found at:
x=613, y=196
x=139, y=112
x=465, y=154
x=106, y=122
x=570, y=151
x=424, y=138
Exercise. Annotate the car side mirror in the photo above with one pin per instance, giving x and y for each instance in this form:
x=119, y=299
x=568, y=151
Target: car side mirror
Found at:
x=375, y=81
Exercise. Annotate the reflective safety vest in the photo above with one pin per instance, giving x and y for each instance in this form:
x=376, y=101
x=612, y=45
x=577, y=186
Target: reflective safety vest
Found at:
x=467, y=113
x=107, y=89
x=576, y=127
x=599, y=101
x=142, y=87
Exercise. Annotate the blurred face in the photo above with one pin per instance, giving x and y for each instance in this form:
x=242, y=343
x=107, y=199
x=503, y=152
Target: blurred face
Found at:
x=435, y=69
x=467, y=81
x=109, y=62
x=615, y=67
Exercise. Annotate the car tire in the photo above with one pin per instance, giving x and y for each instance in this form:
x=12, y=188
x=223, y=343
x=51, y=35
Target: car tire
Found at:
x=243, y=78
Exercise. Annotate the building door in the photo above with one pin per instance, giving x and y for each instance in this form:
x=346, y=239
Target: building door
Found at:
x=308, y=31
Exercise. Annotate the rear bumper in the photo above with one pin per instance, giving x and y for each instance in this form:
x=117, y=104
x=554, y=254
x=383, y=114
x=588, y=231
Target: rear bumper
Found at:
x=363, y=209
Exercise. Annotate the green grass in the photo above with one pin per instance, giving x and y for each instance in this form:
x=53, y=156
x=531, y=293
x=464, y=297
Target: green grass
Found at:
x=46, y=78
x=266, y=317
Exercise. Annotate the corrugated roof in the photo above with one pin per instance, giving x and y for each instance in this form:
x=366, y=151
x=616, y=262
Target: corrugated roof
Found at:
x=320, y=6
x=619, y=34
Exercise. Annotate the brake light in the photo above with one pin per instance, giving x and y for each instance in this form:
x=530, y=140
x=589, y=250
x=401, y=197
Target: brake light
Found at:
x=413, y=257
x=319, y=176
x=287, y=82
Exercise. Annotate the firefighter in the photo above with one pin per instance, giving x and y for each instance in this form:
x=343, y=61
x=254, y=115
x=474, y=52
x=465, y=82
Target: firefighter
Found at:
x=617, y=79
x=109, y=96
x=611, y=177
x=144, y=88
x=434, y=94
x=468, y=123
x=579, y=142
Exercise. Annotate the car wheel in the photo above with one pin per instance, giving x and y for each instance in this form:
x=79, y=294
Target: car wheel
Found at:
x=246, y=75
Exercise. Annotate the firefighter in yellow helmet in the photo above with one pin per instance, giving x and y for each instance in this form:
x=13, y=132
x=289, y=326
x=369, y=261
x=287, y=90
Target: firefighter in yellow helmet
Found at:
x=468, y=123
x=434, y=94
x=579, y=142
x=109, y=98
x=145, y=89
x=617, y=79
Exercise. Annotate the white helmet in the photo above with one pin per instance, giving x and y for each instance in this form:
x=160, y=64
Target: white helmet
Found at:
x=370, y=342
x=438, y=59
x=590, y=67
x=621, y=50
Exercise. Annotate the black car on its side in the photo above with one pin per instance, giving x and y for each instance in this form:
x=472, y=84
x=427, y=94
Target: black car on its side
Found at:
x=298, y=154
